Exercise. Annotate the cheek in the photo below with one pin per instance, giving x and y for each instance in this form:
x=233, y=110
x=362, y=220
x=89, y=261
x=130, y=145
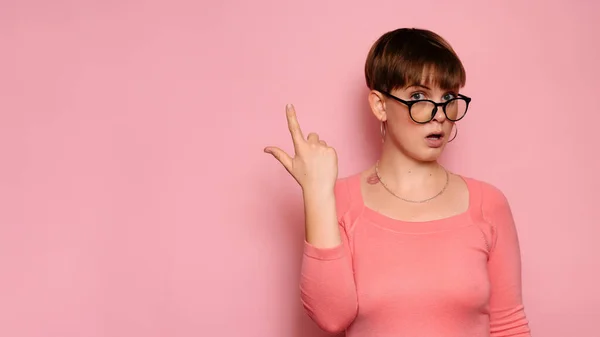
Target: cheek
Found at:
x=400, y=123
x=404, y=131
x=403, y=128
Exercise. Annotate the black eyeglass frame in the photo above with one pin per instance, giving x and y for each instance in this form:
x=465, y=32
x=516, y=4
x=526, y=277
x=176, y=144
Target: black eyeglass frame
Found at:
x=409, y=104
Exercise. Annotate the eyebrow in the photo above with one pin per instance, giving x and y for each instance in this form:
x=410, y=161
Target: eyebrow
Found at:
x=419, y=85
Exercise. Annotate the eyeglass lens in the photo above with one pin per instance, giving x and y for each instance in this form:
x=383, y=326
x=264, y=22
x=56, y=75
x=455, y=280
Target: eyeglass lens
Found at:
x=423, y=111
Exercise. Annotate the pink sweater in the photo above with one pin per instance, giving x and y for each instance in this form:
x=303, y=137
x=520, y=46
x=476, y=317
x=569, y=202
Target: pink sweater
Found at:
x=454, y=277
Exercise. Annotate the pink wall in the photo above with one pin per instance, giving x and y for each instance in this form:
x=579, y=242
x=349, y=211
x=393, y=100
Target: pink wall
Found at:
x=135, y=199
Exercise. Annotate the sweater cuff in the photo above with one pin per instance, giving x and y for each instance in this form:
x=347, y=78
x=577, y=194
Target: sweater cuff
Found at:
x=332, y=253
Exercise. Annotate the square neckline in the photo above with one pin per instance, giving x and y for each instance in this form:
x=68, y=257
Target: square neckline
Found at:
x=459, y=220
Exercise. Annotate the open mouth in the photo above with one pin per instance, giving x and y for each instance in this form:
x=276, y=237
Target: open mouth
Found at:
x=438, y=135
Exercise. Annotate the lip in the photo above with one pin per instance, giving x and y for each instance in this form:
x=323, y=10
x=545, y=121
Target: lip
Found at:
x=440, y=132
x=435, y=142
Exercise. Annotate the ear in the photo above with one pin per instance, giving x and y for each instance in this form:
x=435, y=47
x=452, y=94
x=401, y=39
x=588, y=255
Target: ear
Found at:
x=377, y=104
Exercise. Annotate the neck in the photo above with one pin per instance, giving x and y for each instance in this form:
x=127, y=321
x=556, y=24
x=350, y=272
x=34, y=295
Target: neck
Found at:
x=405, y=174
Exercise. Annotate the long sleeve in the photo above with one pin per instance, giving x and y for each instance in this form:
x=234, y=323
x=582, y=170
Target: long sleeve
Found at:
x=507, y=313
x=327, y=287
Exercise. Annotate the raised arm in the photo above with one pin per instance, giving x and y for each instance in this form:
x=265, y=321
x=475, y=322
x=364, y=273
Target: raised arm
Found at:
x=327, y=282
x=328, y=291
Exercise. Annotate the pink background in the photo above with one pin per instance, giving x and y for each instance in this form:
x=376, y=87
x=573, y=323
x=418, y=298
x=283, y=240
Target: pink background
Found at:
x=135, y=199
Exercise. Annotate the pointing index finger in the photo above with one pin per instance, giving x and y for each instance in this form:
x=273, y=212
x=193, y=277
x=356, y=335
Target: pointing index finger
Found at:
x=293, y=124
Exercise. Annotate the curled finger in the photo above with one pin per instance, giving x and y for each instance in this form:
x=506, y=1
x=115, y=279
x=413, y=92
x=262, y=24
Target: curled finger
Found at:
x=313, y=138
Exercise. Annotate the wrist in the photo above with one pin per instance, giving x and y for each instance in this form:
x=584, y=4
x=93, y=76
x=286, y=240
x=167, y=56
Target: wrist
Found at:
x=317, y=191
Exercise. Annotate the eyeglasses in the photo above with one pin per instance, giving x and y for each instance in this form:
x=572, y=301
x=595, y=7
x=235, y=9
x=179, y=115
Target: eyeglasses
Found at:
x=423, y=111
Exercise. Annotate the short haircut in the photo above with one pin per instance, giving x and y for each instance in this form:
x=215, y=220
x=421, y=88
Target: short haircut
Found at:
x=409, y=56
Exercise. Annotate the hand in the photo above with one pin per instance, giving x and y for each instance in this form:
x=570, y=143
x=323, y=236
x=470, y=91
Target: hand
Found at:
x=314, y=165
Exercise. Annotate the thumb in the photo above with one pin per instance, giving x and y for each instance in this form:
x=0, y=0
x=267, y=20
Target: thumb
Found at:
x=281, y=156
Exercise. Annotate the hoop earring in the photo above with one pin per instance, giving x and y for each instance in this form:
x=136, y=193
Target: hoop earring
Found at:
x=455, y=133
x=383, y=130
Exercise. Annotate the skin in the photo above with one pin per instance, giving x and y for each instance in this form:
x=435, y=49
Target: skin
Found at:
x=314, y=167
x=410, y=167
x=407, y=164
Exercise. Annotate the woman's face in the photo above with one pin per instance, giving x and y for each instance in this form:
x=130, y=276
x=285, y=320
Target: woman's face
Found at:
x=422, y=142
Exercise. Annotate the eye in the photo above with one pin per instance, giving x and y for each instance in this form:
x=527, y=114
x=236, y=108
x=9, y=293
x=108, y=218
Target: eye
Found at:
x=448, y=96
x=417, y=96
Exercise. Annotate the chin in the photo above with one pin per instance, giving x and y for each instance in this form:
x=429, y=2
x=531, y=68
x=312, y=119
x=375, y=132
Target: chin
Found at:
x=422, y=152
x=428, y=155
x=427, y=159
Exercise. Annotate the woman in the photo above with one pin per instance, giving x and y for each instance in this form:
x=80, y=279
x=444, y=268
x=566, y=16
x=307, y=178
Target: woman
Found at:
x=407, y=248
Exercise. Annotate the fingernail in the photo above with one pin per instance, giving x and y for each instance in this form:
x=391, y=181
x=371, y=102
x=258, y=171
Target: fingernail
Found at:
x=288, y=106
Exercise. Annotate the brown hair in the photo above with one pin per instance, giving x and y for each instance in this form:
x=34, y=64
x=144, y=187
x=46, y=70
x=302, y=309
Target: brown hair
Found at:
x=409, y=56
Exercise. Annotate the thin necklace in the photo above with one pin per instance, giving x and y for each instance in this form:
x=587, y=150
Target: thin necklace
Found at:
x=408, y=200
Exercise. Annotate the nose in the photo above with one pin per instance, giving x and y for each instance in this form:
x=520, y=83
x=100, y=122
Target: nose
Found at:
x=438, y=114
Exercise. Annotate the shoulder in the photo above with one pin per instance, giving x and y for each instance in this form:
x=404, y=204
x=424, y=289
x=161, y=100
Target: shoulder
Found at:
x=491, y=193
x=347, y=194
x=491, y=198
x=342, y=187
